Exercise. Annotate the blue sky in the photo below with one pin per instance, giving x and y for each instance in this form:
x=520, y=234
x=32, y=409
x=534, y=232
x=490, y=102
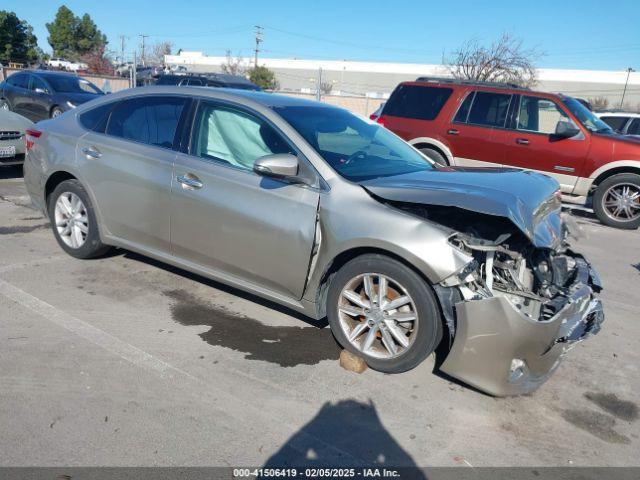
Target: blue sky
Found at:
x=587, y=34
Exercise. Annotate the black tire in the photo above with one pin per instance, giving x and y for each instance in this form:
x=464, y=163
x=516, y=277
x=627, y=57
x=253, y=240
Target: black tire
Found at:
x=602, y=192
x=435, y=155
x=56, y=111
x=428, y=334
x=92, y=246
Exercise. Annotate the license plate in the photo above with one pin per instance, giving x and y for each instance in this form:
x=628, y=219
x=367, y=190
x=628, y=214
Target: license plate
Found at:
x=8, y=151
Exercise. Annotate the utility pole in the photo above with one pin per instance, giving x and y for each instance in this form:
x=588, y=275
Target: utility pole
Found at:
x=122, y=37
x=142, y=57
x=319, y=85
x=629, y=70
x=258, y=42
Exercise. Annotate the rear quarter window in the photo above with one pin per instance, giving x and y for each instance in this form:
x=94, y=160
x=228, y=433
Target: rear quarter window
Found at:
x=418, y=102
x=96, y=118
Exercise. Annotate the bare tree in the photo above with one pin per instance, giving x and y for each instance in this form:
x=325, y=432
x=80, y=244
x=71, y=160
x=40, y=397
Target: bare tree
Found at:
x=505, y=60
x=599, y=103
x=158, y=51
x=234, y=66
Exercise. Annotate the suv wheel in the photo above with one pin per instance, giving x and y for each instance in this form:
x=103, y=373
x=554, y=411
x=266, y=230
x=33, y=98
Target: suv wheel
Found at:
x=435, y=156
x=73, y=221
x=384, y=312
x=616, y=201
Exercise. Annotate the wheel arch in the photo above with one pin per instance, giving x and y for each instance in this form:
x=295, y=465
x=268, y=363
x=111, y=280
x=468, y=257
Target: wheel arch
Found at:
x=54, y=180
x=628, y=168
x=346, y=256
x=437, y=145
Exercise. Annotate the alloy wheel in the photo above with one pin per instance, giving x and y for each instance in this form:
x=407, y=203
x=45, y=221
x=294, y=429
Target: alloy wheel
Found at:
x=377, y=315
x=621, y=202
x=4, y=105
x=72, y=221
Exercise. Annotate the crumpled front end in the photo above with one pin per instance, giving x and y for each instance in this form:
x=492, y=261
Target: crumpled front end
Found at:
x=519, y=310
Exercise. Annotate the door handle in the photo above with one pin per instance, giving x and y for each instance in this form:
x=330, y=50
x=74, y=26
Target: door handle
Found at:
x=522, y=141
x=189, y=181
x=91, y=153
x=453, y=131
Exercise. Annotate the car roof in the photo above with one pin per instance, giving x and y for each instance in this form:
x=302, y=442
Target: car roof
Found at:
x=618, y=114
x=269, y=100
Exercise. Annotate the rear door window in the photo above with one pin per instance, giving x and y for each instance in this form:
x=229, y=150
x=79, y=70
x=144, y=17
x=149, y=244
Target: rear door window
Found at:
x=96, y=118
x=489, y=109
x=414, y=101
x=150, y=120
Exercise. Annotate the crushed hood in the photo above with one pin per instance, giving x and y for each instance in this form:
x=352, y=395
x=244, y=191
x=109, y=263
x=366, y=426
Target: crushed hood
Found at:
x=528, y=199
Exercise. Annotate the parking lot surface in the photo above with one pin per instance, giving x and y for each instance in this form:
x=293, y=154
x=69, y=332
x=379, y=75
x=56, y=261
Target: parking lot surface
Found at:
x=123, y=361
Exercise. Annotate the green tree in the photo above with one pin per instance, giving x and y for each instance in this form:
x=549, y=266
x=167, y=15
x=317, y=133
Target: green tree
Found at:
x=88, y=37
x=263, y=77
x=71, y=36
x=17, y=41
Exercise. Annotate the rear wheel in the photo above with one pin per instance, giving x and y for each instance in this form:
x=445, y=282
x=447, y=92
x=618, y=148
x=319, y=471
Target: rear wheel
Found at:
x=384, y=312
x=435, y=156
x=73, y=221
x=616, y=201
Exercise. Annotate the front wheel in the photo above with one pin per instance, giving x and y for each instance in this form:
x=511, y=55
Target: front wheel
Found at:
x=384, y=312
x=4, y=104
x=73, y=221
x=56, y=112
x=616, y=201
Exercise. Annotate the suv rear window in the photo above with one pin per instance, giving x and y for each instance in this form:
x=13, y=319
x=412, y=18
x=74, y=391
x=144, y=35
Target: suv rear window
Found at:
x=413, y=101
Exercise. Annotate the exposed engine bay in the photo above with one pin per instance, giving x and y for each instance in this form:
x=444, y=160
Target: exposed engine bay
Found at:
x=536, y=281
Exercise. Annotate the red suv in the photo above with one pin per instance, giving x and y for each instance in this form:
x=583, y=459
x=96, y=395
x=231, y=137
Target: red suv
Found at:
x=464, y=123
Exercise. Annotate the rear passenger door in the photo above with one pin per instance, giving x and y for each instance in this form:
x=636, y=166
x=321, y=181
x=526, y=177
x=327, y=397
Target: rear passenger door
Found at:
x=474, y=131
x=127, y=158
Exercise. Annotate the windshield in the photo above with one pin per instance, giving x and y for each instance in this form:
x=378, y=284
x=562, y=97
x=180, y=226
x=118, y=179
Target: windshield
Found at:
x=586, y=116
x=356, y=148
x=71, y=84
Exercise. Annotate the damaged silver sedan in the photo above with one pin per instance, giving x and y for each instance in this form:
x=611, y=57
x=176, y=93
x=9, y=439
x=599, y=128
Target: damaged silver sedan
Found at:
x=329, y=214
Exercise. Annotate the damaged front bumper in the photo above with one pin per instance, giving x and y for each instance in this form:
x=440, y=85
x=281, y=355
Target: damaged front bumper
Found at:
x=501, y=351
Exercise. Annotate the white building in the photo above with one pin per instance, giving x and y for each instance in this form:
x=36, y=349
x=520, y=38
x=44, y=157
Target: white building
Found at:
x=375, y=79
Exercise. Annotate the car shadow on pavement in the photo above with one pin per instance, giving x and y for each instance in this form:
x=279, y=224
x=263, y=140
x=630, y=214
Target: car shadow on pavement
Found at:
x=345, y=434
x=224, y=288
x=10, y=172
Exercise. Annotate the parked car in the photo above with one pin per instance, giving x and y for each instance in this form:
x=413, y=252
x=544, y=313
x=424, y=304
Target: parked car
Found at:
x=377, y=112
x=624, y=123
x=327, y=213
x=12, y=144
x=475, y=124
x=39, y=94
x=219, y=80
x=63, y=64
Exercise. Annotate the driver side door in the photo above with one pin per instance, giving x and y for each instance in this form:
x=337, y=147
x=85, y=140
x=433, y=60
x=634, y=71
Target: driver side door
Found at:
x=529, y=143
x=242, y=227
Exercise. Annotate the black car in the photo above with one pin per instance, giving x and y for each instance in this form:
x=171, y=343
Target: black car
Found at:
x=220, y=80
x=43, y=94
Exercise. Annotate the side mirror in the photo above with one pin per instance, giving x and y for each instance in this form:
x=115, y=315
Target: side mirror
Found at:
x=279, y=165
x=565, y=130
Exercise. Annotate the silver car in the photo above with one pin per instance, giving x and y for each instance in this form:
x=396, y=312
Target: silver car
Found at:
x=12, y=131
x=329, y=214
